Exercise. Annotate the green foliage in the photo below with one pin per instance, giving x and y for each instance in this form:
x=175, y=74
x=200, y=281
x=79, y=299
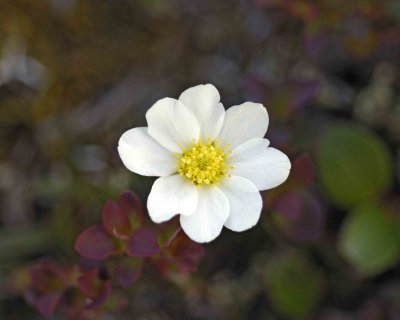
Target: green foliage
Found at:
x=354, y=164
x=368, y=239
x=75, y=74
x=294, y=285
x=16, y=244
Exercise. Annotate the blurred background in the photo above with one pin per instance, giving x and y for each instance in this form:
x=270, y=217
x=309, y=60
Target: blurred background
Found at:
x=75, y=74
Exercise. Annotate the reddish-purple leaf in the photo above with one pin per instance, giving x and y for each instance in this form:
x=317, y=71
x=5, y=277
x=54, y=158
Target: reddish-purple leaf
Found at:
x=129, y=272
x=103, y=296
x=300, y=216
x=46, y=304
x=184, y=252
x=95, y=243
x=115, y=221
x=310, y=227
x=185, y=247
x=94, y=288
x=89, y=283
x=47, y=276
x=131, y=205
x=289, y=205
x=303, y=170
x=167, y=230
x=142, y=243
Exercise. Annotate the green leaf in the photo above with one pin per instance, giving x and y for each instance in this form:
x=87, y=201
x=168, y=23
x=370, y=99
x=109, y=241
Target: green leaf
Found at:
x=368, y=239
x=293, y=284
x=354, y=164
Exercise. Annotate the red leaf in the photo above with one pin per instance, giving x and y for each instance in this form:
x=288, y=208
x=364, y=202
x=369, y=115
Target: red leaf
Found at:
x=289, y=205
x=131, y=205
x=142, y=243
x=129, y=272
x=103, y=296
x=116, y=221
x=167, y=230
x=94, y=243
x=184, y=252
x=300, y=216
x=303, y=170
x=89, y=283
x=94, y=288
x=47, y=304
x=47, y=276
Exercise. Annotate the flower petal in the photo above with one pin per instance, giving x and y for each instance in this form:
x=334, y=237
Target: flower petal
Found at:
x=141, y=154
x=211, y=213
x=245, y=203
x=203, y=102
x=265, y=167
x=246, y=121
x=170, y=196
x=172, y=125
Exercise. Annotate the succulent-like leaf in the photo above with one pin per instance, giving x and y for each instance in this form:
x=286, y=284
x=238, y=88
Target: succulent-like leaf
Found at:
x=95, y=243
x=94, y=288
x=303, y=170
x=354, y=164
x=294, y=285
x=369, y=239
x=300, y=216
x=47, y=276
x=131, y=205
x=128, y=272
x=46, y=304
x=142, y=243
x=116, y=221
x=183, y=252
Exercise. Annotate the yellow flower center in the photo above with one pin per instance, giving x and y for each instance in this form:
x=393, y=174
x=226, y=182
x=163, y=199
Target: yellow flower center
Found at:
x=203, y=163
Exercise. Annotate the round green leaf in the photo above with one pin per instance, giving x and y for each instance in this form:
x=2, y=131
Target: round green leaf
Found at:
x=368, y=239
x=293, y=284
x=354, y=164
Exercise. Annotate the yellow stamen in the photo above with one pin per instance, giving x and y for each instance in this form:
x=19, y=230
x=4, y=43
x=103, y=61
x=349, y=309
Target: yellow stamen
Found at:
x=203, y=163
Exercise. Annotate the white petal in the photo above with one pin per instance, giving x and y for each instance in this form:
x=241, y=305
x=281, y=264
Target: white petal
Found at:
x=245, y=203
x=246, y=121
x=206, y=223
x=141, y=154
x=203, y=102
x=265, y=167
x=250, y=149
x=170, y=196
x=172, y=125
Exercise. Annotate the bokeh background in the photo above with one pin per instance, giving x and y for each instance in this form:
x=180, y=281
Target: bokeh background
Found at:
x=75, y=74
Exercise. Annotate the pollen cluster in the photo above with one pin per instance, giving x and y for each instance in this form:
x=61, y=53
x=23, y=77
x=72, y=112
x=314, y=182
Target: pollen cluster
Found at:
x=203, y=163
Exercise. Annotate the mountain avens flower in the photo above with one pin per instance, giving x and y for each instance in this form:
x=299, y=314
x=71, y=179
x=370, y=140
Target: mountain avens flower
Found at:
x=212, y=163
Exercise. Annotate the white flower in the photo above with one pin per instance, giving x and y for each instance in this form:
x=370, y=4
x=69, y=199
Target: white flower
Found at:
x=211, y=163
